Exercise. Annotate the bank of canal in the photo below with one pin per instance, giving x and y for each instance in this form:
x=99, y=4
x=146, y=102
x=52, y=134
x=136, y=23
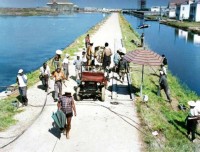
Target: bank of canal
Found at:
x=180, y=47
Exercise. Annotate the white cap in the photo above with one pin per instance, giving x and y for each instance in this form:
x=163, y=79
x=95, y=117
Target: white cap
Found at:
x=192, y=103
x=59, y=52
x=20, y=71
x=67, y=55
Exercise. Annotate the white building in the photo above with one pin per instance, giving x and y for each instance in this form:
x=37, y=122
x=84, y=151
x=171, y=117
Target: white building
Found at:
x=155, y=9
x=195, y=11
x=183, y=10
x=61, y=5
x=172, y=10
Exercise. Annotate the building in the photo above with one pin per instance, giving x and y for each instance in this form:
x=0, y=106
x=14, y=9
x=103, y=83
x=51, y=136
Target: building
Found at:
x=61, y=5
x=172, y=7
x=155, y=9
x=183, y=10
x=195, y=11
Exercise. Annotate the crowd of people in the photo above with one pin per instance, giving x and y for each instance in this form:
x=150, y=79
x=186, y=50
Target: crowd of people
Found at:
x=88, y=59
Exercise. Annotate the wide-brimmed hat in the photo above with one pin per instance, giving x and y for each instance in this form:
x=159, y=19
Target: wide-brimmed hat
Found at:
x=59, y=52
x=20, y=70
x=191, y=103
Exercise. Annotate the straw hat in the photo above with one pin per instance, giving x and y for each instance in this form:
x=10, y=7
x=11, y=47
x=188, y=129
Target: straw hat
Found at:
x=59, y=52
x=191, y=103
x=20, y=70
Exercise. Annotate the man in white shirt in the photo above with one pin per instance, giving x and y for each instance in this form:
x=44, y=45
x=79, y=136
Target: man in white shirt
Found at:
x=22, y=83
x=78, y=64
x=65, y=65
x=44, y=75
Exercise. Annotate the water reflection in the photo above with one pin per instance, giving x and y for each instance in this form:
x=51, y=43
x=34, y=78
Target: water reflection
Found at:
x=188, y=36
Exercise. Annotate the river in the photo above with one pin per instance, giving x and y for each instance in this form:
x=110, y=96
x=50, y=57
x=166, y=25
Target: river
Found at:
x=181, y=48
x=27, y=41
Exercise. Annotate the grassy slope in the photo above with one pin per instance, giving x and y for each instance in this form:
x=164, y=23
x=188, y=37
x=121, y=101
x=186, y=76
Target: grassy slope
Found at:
x=7, y=111
x=158, y=114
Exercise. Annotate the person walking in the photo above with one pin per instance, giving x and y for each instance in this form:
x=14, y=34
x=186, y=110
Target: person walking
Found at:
x=65, y=65
x=191, y=120
x=78, y=64
x=164, y=69
x=67, y=105
x=22, y=83
x=84, y=59
x=163, y=85
x=87, y=41
x=44, y=75
x=59, y=76
x=107, y=53
x=57, y=59
x=122, y=68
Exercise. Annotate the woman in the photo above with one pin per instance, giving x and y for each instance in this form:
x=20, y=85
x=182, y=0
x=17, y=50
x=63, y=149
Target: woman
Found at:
x=66, y=104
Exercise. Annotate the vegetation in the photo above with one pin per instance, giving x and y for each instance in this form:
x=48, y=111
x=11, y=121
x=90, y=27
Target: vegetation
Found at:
x=158, y=114
x=7, y=111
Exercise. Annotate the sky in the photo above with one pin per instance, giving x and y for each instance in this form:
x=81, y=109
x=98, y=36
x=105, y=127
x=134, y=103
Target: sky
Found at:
x=85, y=3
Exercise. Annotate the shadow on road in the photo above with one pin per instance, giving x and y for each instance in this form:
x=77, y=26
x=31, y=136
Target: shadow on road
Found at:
x=55, y=131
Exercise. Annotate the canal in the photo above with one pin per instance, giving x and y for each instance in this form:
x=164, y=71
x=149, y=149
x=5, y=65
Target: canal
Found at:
x=27, y=41
x=181, y=48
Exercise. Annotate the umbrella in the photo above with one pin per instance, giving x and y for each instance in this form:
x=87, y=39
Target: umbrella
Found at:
x=59, y=118
x=143, y=57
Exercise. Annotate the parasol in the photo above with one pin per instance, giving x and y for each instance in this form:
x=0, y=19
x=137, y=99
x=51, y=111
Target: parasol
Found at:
x=59, y=118
x=143, y=57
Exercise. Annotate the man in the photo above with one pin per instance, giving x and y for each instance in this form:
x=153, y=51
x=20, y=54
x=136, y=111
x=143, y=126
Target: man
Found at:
x=142, y=39
x=164, y=69
x=89, y=55
x=164, y=60
x=44, y=75
x=116, y=59
x=66, y=104
x=84, y=59
x=87, y=41
x=65, y=65
x=122, y=68
x=192, y=120
x=22, y=83
x=78, y=64
x=107, y=53
x=59, y=76
x=164, y=85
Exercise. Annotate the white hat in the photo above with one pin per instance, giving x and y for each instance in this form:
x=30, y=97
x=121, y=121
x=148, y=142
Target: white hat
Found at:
x=192, y=103
x=20, y=71
x=59, y=52
x=67, y=55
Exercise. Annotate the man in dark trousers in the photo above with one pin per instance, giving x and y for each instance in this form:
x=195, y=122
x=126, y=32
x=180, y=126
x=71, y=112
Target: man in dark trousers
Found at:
x=122, y=68
x=164, y=85
x=164, y=60
x=142, y=39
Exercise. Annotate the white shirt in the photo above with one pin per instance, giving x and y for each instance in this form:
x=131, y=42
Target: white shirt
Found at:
x=45, y=72
x=193, y=112
x=21, y=81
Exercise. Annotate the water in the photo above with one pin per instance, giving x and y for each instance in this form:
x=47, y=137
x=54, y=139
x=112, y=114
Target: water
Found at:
x=26, y=42
x=181, y=48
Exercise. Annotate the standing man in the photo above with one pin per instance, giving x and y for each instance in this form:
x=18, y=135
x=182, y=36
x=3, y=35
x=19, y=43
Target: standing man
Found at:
x=57, y=58
x=22, y=83
x=142, y=39
x=59, y=76
x=106, y=56
x=89, y=55
x=66, y=104
x=87, y=41
x=78, y=64
x=122, y=68
x=164, y=85
x=65, y=65
x=164, y=60
x=44, y=75
x=192, y=120
x=116, y=59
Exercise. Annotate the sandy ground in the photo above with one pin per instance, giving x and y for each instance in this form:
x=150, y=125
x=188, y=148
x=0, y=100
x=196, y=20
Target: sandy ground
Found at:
x=99, y=126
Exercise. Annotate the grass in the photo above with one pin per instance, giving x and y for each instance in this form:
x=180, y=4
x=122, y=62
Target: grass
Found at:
x=157, y=114
x=7, y=111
